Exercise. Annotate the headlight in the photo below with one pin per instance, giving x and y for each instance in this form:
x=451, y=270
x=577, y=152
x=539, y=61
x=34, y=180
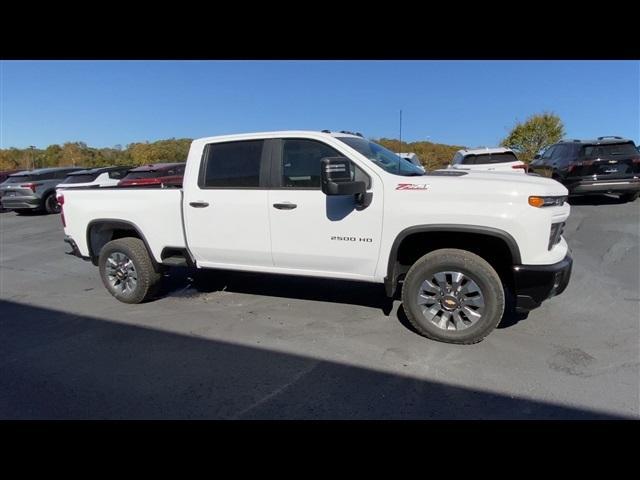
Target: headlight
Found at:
x=547, y=201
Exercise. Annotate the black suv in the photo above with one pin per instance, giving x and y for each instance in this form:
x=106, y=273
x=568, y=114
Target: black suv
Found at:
x=605, y=165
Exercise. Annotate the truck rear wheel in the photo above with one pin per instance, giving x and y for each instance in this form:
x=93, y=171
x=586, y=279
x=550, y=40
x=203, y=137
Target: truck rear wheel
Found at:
x=629, y=197
x=453, y=296
x=126, y=270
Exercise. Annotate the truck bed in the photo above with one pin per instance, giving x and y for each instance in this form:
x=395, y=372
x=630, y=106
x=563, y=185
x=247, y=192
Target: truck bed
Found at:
x=155, y=211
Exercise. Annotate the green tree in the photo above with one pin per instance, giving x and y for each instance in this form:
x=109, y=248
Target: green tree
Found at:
x=52, y=156
x=529, y=137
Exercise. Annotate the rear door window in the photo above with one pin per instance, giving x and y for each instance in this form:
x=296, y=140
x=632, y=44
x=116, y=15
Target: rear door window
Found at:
x=232, y=165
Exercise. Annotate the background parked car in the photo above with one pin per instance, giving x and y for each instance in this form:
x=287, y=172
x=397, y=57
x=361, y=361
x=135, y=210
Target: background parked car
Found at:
x=604, y=165
x=4, y=174
x=498, y=159
x=413, y=158
x=95, y=177
x=34, y=190
x=3, y=178
x=154, y=174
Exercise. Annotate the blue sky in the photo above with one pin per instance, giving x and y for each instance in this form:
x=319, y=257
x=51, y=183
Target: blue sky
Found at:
x=471, y=103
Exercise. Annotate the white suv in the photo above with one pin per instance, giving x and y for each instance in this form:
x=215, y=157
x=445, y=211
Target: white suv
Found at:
x=488, y=159
x=95, y=177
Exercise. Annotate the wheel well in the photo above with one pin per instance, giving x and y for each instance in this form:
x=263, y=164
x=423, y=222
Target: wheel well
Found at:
x=494, y=249
x=99, y=233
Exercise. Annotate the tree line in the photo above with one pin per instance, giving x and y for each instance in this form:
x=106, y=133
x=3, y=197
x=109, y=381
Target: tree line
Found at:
x=80, y=154
x=526, y=138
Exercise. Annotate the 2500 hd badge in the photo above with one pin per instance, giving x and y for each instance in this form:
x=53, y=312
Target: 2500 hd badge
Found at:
x=352, y=239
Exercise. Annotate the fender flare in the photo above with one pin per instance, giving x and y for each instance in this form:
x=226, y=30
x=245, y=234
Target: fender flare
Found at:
x=122, y=224
x=391, y=281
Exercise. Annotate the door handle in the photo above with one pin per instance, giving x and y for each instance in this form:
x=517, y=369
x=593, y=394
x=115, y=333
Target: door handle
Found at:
x=199, y=204
x=285, y=206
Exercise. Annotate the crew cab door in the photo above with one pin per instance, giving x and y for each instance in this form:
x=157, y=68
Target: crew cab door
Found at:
x=311, y=231
x=226, y=216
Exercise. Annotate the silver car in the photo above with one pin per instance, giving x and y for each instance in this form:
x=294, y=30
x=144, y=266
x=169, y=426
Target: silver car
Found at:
x=34, y=190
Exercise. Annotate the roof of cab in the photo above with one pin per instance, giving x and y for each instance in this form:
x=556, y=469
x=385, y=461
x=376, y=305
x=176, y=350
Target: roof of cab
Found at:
x=275, y=134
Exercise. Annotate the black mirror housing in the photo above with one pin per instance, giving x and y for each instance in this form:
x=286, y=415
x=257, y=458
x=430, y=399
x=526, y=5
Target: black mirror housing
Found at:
x=336, y=174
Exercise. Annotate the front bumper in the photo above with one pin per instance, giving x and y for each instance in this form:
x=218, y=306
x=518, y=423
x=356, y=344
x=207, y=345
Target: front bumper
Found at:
x=536, y=283
x=626, y=185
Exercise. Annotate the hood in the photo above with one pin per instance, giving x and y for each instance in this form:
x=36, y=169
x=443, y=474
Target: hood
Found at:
x=482, y=186
x=515, y=181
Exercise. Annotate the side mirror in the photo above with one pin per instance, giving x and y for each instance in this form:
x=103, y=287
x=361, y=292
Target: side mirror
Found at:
x=336, y=177
x=536, y=156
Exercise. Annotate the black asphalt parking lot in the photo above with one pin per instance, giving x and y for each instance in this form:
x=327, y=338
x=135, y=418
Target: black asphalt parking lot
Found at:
x=249, y=346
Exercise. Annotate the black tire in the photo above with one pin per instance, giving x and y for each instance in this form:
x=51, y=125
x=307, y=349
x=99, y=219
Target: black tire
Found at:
x=50, y=203
x=471, y=266
x=147, y=278
x=629, y=197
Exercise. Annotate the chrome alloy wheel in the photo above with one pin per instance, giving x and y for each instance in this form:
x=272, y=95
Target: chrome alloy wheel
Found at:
x=451, y=300
x=121, y=273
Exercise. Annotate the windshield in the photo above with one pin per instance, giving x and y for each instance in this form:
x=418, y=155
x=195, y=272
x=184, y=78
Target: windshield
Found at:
x=385, y=159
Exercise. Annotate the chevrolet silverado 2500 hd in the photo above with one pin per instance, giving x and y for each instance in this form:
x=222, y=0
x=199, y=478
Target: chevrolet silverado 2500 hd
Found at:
x=336, y=205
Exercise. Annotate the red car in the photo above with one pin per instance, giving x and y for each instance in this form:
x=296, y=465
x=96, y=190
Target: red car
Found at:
x=154, y=174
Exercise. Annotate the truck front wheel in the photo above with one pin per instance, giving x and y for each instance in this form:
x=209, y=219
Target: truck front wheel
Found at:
x=126, y=270
x=453, y=296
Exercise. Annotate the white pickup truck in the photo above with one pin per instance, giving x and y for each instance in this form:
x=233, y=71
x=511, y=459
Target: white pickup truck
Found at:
x=336, y=205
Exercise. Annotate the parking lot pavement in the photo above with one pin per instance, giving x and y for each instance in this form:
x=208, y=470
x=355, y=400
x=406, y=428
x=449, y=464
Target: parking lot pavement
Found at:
x=236, y=345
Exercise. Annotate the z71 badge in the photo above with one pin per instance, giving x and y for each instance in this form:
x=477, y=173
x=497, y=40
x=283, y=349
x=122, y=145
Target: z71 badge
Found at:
x=412, y=186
